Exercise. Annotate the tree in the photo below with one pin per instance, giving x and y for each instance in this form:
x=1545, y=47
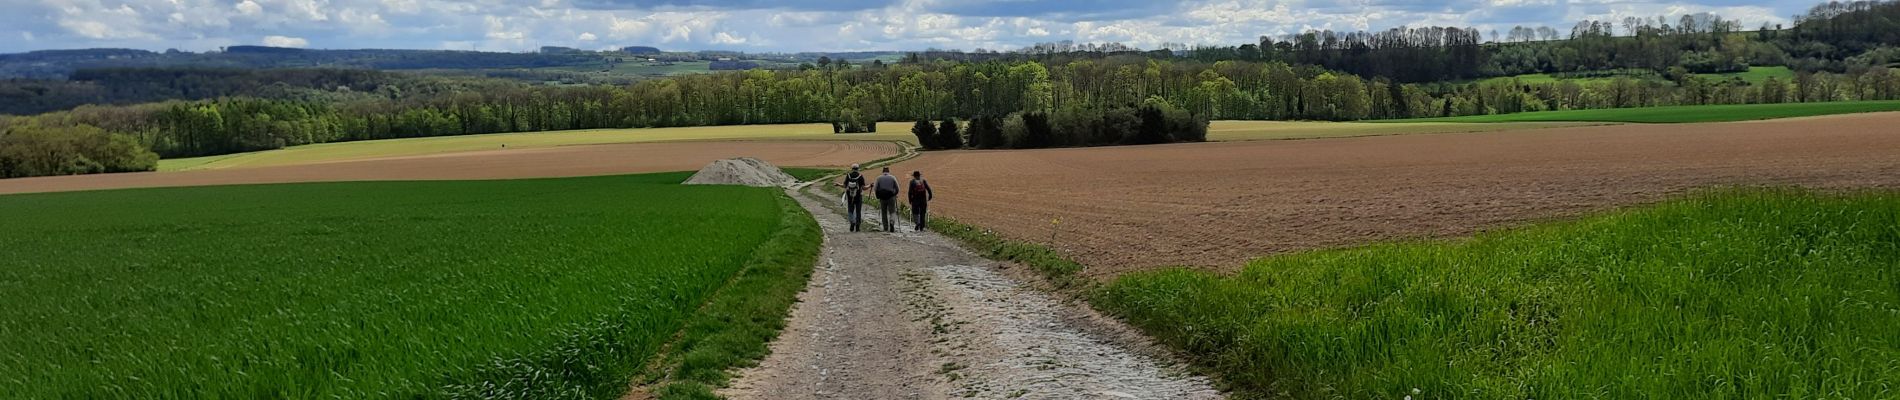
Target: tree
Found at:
x=986, y=132
x=948, y=135
x=926, y=134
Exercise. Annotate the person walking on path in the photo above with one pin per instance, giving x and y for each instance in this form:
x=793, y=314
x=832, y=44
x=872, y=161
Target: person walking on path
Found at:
x=887, y=199
x=920, y=196
x=854, y=188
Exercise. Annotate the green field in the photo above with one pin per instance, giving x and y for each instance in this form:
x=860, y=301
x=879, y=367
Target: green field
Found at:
x=1548, y=78
x=888, y=131
x=1679, y=114
x=1756, y=295
x=1228, y=131
x=1755, y=75
x=547, y=288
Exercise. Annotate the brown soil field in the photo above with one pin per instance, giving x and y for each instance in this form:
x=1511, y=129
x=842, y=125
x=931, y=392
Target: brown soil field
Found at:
x=587, y=160
x=1220, y=204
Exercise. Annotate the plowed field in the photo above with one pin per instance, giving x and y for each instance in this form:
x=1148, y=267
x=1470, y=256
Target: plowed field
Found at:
x=1219, y=204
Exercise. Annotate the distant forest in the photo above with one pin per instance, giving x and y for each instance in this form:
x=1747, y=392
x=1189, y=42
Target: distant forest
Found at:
x=1838, y=51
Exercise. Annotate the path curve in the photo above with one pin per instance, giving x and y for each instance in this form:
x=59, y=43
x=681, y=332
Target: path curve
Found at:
x=911, y=315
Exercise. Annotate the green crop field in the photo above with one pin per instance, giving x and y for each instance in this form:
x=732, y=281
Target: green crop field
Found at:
x=888, y=131
x=546, y=288
x=1757, y=295
x=1680, y=114
x=1755, y=75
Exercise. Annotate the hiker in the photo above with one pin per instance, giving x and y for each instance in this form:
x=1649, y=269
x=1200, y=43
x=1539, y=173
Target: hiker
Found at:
x=887, y=199
x=854, y=197
x=920, y=196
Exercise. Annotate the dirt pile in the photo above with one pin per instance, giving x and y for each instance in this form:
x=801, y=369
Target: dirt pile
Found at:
x=741, y=171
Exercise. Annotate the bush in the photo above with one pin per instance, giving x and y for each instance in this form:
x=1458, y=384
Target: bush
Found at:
x=948, y=135
x=926, y=134
x=986, y=132
x=31, y=150
x=851, y=121
x=1162, y=122
x=1015, y=135
x=1037, y=130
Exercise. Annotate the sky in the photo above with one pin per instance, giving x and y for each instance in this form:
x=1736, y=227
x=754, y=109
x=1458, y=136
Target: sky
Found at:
x=779, y=25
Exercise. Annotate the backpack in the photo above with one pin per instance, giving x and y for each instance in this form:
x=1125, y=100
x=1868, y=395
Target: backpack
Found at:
x=918, y=190
x=883, y=193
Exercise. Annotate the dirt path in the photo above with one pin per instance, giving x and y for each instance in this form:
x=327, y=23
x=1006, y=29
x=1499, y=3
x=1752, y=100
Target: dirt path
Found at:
x=910, y=315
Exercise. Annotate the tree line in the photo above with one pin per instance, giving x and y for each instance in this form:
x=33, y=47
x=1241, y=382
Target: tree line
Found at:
x=1085, y=102
x=1830, y=37
x=1154, y=121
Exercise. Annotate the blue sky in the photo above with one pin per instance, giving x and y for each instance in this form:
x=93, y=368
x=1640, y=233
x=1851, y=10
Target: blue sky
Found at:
x=777, y=25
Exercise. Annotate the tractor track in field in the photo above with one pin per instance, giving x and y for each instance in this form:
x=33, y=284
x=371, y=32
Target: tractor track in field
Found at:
x=911, y=315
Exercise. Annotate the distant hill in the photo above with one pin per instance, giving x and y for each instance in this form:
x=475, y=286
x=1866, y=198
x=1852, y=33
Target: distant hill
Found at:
x=261, y=50
x=643, y=50
x=59, y=64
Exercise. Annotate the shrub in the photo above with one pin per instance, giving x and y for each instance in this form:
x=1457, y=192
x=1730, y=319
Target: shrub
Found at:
x=1038, y=132
x=926, y=134
x=850, y=120
x=986, y=132
x=1015, y=135
x=948, y=135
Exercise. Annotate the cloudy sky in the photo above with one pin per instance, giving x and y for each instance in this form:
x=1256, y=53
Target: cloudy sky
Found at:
x=776, y=25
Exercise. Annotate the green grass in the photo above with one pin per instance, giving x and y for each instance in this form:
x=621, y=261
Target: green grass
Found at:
x=1586, y=77
x=1679, y=114
x=807, y=174
x=736, y=327
x=339, y=151
x=1230, y=131
x=1746, y=295
x=549, y=288
x=1060, y=270
x=1754, y=75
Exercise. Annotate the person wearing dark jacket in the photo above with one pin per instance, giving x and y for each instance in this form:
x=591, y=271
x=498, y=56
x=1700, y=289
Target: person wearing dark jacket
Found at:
x=854, y=187
x=887, y=199
x=920, y=196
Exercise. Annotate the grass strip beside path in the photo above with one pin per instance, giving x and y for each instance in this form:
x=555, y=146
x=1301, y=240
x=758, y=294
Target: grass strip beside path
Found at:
x=733, y=330
x=1739, y=295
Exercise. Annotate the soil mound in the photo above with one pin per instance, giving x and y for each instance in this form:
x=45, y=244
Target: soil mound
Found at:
x=742, y=171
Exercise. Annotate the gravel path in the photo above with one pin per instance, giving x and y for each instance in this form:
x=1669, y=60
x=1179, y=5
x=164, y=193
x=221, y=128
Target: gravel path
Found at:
x=910, y=315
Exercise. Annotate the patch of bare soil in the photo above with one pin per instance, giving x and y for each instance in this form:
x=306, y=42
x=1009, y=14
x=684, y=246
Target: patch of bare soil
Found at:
x=910, y=315
x=1219, y=204
x=606, y=159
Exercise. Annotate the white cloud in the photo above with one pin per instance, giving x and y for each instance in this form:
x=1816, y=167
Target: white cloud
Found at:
x=727, y=38
x=248, y=7
x=309, y=10
x=497, y=30
x=285, y=41
x=515, y=25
